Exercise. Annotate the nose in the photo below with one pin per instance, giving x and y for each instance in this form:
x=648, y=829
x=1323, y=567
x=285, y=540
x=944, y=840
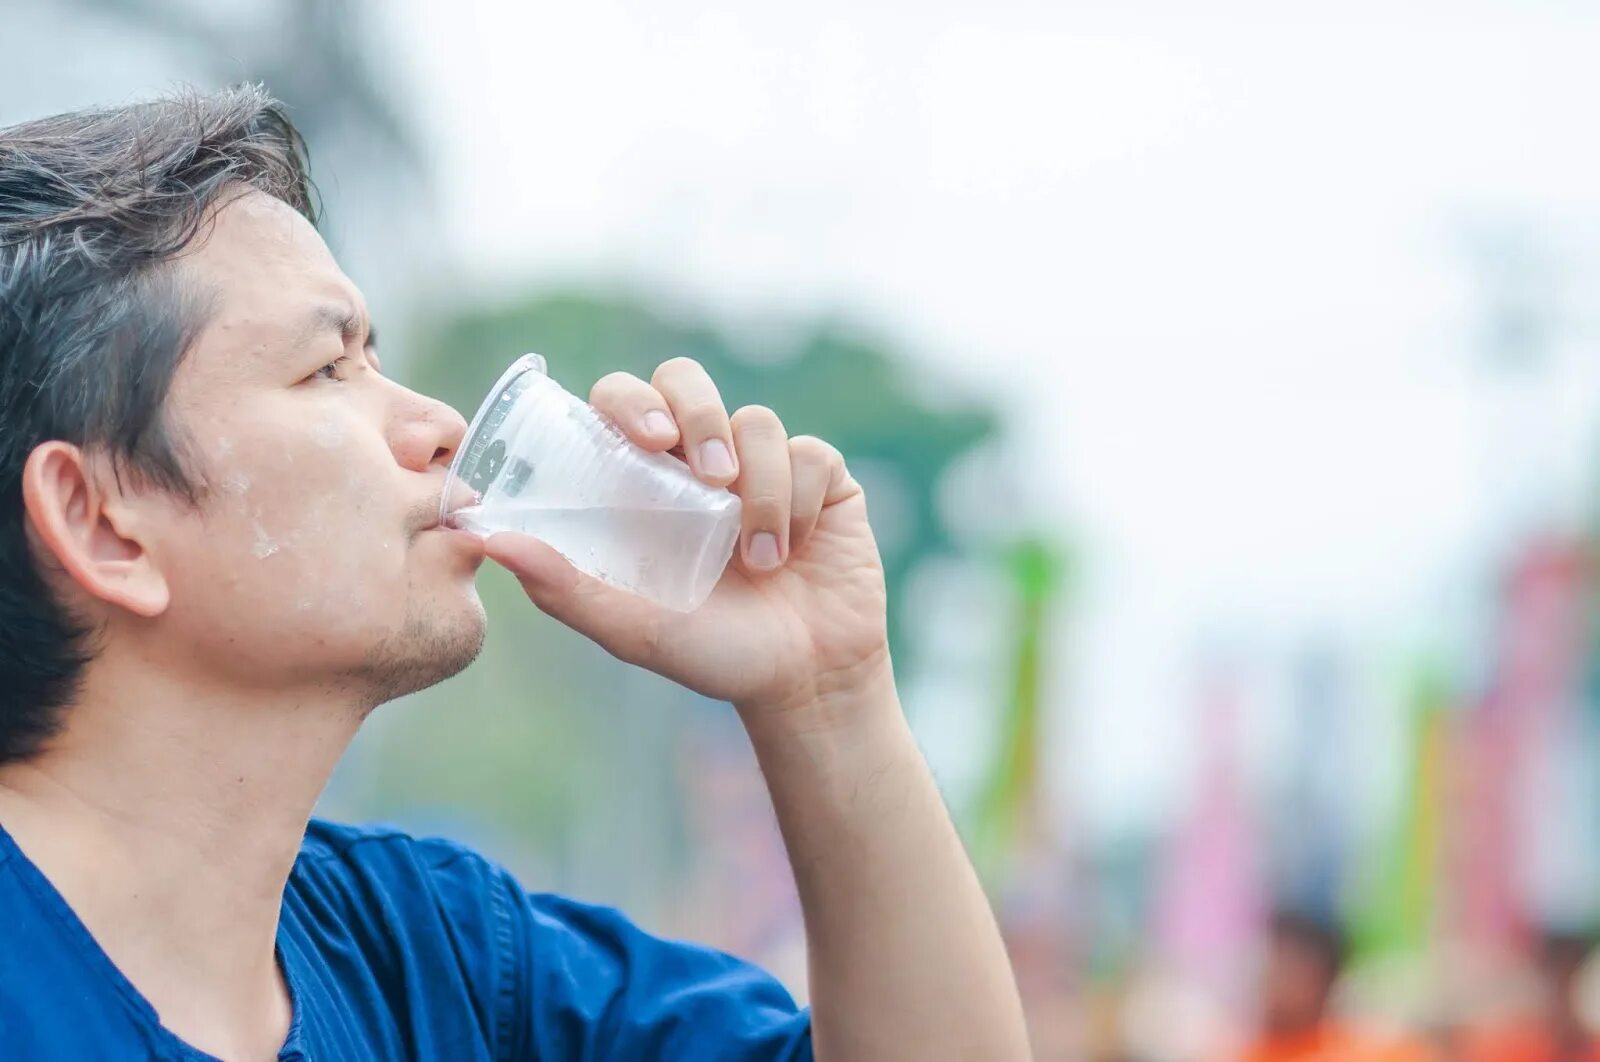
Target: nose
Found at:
x=425, y=433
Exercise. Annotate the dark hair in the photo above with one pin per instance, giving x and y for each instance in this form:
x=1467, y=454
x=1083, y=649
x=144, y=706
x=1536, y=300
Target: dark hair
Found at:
x=1321, y=937
x=1565, y=948
x=95, y=206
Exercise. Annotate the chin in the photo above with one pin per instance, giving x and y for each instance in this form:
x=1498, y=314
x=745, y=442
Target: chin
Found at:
x=426, y=650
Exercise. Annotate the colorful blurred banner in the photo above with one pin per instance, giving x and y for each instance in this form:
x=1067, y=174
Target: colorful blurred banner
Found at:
x=1513, y=744
x=1554, y=777
x=1211, y=906
x=1019, y=842
x=1398, y=915
x=1011, y=808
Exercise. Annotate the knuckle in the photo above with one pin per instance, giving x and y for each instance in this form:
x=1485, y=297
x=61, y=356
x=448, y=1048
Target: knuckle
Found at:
x=650, y=642
x=704, y=415
x=764, y=507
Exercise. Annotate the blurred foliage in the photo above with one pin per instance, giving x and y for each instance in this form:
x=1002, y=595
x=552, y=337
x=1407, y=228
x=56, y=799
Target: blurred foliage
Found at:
x=570, y=753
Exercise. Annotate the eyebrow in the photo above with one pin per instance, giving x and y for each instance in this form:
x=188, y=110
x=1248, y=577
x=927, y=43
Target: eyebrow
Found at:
x=334, y=317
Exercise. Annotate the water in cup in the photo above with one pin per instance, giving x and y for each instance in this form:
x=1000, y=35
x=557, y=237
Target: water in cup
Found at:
x=541, y=461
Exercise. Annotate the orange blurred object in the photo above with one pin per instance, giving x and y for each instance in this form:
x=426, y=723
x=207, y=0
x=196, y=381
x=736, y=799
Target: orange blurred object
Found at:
x=1527, y=1041
x=1333, y=1042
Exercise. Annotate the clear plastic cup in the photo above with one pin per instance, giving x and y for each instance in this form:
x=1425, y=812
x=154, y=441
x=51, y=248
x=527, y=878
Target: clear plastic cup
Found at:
x=539, y=460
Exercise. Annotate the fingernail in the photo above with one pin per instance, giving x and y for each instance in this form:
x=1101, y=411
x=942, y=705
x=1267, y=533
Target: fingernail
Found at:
x=763, y=550
x=659, y=423
x=715, y=458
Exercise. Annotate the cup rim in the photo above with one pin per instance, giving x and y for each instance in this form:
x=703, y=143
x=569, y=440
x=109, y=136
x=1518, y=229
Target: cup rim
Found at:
x=529, y=362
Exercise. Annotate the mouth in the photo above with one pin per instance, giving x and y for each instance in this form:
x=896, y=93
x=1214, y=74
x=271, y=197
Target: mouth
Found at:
x=448, y=523
x=455, y=497
x=438, y=512
x=459, y=537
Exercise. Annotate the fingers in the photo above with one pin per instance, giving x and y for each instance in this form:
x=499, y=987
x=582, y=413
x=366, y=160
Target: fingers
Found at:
x=785, y=484
x=641, y=411
x=706, y=432
x=813, y=466
x=628, y=626
x=765, y=486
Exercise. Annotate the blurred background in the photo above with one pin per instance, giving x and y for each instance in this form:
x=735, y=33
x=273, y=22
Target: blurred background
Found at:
x=1226, y=384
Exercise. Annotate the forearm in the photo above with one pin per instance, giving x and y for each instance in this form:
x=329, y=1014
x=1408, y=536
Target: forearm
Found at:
x=905, y=958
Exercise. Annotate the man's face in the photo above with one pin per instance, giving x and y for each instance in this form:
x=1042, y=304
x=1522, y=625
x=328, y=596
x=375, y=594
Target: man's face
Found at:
x=313, y=560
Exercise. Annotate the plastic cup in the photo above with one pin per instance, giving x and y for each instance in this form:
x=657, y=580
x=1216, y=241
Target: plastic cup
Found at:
x=539, y=460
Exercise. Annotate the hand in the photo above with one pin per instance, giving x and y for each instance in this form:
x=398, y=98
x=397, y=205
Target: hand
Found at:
x=800, y=613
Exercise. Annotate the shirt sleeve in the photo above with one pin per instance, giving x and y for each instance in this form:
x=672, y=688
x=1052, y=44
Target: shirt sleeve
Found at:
x=584, y=982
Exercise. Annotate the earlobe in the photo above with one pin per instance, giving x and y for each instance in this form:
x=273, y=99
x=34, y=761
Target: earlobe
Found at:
x=84, y=521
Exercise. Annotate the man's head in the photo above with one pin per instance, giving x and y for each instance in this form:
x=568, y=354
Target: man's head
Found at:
x=201, y=467
x=1563, y=955
x=1304, y=958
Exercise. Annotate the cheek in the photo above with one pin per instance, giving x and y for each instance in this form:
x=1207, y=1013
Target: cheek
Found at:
x=308, y=534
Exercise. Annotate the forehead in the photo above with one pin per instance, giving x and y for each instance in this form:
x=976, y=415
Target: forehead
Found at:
x=264, y=269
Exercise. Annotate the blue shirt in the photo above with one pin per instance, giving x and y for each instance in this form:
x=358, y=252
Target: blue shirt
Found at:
x=396, y=948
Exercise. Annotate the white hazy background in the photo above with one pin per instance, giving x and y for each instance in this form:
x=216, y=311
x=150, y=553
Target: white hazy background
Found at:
x=1225, y=269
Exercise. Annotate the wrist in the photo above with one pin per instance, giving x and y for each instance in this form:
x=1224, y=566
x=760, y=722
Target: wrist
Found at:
x=833, y=702
x=841, y=762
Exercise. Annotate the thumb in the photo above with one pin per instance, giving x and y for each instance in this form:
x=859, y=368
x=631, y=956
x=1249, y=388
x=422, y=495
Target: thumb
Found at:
x=625, y=625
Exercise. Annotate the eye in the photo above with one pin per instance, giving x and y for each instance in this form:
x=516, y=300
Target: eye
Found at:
x=334, y=370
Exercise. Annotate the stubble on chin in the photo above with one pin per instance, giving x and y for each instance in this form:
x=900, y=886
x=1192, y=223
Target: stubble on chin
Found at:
x=426, y=650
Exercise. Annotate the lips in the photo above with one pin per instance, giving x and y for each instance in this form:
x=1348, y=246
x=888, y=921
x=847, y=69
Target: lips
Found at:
x=439, y=512
x=457, y=496
x=433, y=512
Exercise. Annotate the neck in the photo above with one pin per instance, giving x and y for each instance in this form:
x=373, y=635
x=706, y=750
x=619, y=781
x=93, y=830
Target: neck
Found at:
x=169, y=816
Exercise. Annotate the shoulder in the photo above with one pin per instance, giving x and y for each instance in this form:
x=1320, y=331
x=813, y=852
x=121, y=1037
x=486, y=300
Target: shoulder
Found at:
x=392, y=894
x=351, y=845
x=378, y=872
x=382, y=861
x=549, y=976
x=376, y=903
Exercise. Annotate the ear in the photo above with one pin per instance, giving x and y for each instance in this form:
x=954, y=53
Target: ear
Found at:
x=91, y=529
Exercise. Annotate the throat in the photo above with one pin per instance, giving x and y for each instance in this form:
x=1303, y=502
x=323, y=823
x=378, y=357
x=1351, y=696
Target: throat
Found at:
x=167, y=814
x=205, y=959
x=172, y=850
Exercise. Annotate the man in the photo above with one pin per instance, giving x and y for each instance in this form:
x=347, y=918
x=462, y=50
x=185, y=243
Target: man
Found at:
x=219, y=551
x=1305, y=957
